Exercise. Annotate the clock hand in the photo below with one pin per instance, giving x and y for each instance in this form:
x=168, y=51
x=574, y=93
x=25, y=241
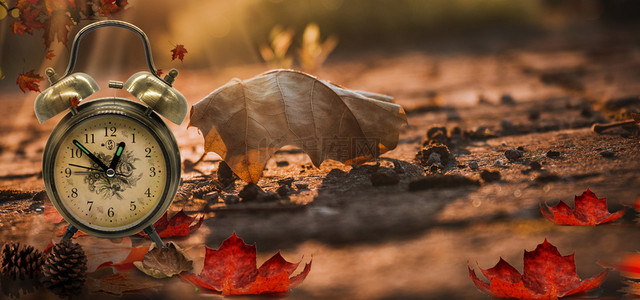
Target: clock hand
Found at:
x=116, y=157
x=90, y=155
x=93, y=171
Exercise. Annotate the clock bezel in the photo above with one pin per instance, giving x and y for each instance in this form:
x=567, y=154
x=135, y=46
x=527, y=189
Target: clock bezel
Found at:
x=139, y=113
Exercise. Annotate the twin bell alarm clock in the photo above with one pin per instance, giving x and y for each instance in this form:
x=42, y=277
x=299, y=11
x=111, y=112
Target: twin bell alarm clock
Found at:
x=111, y=167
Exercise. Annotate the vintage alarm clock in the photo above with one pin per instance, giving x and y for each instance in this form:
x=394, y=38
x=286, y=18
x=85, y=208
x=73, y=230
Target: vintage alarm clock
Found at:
x=111, y=167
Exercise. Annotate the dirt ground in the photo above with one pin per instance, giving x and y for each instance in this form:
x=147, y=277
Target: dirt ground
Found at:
x=541, y=93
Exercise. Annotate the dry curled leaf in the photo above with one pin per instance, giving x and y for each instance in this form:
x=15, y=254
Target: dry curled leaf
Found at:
x=245, y=122
x=164, y=262
x=231, y=270
x=547, y=275
x=589, y=211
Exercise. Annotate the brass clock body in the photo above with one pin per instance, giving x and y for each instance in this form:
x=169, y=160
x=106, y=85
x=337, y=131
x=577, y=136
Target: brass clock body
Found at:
x=112, y=199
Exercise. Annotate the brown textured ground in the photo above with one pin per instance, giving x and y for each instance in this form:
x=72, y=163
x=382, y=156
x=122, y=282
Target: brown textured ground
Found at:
x=387, y=242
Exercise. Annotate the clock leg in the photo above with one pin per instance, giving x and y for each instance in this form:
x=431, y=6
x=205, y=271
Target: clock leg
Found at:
x=153, y=235
x=71, y=230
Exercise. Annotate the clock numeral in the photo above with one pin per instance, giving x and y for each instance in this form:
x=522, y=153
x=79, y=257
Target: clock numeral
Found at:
x=67, y=172
x=74, y=193
x=90, y=204
x=132, y=206
x=76, y=153
x=148, y=192
x=152, y=172
x=133, y=141
x=110, y=212
x=89, y=138
x=109, y=131
x=148, y=150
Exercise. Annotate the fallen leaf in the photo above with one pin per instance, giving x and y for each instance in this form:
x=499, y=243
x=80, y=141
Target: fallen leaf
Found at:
x=164, y=262
x=18, y=27
x=231, y=270
x=121, y=283
x=51, y=214
x=547, y=275
x=159, y=72
x=99, y=250
x=589, y=211
x=29, y=81
x=136, y=254
x=180, y=225
x=50, y=55
x=632, y=288
x=178, y=52
x=245, y=122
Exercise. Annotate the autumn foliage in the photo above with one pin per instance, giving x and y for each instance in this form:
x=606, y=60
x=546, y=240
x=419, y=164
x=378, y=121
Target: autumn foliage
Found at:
x=589, y=211
x=180, y=225
x=547, y=275
x=29, y=81
x=231, y=270
x=178, y=52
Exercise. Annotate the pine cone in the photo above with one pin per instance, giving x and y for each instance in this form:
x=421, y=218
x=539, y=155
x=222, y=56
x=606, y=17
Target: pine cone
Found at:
x=20, y=262
x=65, y=269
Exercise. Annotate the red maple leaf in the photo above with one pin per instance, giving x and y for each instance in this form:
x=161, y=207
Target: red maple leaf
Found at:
x=74, y=101
x=29, y=81
x=18, y=27
x=49, y=55
x=547, y=275
x=589, y=211
x=136, y=254
x=178, y=52
x=159, y=72
x=231, y=270
x=178, y=226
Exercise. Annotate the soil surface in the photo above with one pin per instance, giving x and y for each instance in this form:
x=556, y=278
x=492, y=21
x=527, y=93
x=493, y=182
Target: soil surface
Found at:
x=517, y=122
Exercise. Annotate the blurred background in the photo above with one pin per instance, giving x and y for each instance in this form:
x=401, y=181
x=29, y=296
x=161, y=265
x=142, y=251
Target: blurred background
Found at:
x=222, y=33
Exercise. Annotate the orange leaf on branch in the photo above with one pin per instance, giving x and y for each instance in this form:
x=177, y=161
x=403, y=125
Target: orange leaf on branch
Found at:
x=231, y=270
x=18, y=27
x=547, y=275
x=178, y=52
x=180, y=225
x=49, y=55
x=29, y=81
x=589, y=211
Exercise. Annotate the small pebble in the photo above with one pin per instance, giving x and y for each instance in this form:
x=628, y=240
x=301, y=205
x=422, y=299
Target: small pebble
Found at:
x=607, y=153
x=499, y=163
x=301, y=187
x=507, y=99
x=473, y=165
x=513, y=154
x=211, y=197
x=282, y=163
x=284, y=190
x=230, y=199
x=490, y=176
x=535, y=165
x=520, y=148
x=384, y=176
x=250, y=192
x=553, y=154
x=433, y=158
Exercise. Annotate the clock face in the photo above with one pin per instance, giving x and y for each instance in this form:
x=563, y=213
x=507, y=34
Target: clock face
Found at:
x=109, y=172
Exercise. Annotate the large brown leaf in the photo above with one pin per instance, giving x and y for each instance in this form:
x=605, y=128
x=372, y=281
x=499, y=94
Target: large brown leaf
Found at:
x=245, y=122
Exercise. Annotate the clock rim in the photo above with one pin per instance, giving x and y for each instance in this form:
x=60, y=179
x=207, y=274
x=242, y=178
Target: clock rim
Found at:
x=138, y=113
